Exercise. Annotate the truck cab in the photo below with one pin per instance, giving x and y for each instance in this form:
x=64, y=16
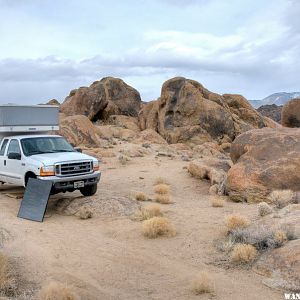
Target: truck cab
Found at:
x=47, y=157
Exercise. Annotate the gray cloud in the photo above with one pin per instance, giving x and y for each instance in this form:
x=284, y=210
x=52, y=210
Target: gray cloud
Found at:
x=258, y=58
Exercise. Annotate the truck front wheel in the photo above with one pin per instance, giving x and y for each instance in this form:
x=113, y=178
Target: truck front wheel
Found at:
x=89, y=190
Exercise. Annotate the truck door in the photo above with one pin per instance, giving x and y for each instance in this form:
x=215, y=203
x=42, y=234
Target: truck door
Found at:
x=2, y=160
x=14, y=166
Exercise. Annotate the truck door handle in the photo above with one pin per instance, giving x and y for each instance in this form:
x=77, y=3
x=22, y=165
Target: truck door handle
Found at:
x=4, y=162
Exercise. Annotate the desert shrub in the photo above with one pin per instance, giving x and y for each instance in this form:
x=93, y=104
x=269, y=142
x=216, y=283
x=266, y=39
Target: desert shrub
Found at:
x=57, y=291
x=161, y=189
x=123, y=159
x=243, y=253
x=150, y=211
x=280, y=237
x=216, y=201
x=160, y=180
x=281, y=198
x=260, y=236
x=85, y=213
x=197, y=171
x=202, y=283
x=7, y=281
x=140, y=196
x=264, y=209
x=226, y=244
x=163, y=199
x=158, y=226
x=235, y=221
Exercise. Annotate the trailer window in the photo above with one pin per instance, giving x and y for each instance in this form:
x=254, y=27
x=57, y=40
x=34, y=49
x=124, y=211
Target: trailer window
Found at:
x=3, y=147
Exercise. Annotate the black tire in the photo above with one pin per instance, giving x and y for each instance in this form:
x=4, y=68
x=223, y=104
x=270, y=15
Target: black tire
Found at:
x=89, y=190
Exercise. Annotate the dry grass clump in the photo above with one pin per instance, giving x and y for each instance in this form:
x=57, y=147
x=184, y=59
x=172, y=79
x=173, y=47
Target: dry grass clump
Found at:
x=216, y=201
x=243, y=253
x=197, y=171
x=150, y=211
x=7, y=282
x=235, y=221
x=160, y=180
x=280, y=236
x=161, y=189
x=57, y=291
x=140, y=196
x=3, y=272
x=158, y=226
x=264, y=209
x=281, y=198
x=202, y=283
x=85, y=213
x=163, y=199
x=123, y=159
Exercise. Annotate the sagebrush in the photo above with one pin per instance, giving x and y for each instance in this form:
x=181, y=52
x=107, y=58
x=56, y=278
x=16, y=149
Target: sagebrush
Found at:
x=264, y=209
x=281, y=198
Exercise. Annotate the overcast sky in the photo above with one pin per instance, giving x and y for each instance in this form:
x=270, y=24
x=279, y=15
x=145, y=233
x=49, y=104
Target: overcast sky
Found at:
x=48, y=47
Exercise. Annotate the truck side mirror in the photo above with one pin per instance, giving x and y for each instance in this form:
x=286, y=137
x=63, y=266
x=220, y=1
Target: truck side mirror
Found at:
x=78, y=149
x=14, y=155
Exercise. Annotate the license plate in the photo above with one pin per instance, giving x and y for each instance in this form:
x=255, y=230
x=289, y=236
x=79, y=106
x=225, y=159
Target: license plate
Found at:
x=78, y=184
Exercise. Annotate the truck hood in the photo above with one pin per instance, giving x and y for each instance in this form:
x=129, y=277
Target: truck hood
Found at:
x=49, y=159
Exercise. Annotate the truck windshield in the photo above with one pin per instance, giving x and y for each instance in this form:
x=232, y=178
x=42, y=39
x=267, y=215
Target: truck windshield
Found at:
x=40, y=145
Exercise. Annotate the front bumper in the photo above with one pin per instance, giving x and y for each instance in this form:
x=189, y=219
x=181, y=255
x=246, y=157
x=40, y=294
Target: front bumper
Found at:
x=67, y=183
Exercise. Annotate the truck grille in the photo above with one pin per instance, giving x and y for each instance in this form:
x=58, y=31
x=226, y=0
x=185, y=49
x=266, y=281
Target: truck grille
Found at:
x=75, y=168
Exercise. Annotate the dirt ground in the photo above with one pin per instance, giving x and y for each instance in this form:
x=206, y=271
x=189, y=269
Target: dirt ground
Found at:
x=107, y=257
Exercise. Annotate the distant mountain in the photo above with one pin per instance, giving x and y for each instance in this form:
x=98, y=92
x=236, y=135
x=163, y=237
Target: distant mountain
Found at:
x=277, y=98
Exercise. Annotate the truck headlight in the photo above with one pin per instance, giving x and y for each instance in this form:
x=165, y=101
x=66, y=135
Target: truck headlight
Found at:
x=96, y=165
x=47, y=171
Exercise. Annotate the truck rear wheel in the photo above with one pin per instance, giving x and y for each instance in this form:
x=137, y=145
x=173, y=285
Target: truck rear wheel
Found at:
x=89, y=190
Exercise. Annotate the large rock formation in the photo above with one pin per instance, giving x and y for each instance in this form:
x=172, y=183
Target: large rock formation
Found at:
x=79, y=131
x=265, y=160
x=271, y=111
x=186, y=111
x=290, y=115
x=109, y=96
x=282, y=266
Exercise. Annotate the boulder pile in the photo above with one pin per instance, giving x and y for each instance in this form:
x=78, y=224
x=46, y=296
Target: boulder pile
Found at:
x=186, y=111
x=109, y=96
x=264, y=160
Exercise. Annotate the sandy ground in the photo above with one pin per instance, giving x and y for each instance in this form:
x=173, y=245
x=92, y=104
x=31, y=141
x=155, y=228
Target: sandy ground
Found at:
x=107, y=257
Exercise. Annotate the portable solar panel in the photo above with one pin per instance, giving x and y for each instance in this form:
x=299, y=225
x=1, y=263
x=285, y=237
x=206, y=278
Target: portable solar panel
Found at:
x=35, y=200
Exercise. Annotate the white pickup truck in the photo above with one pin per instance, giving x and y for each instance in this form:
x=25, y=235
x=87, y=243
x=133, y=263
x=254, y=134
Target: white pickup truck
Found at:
x=48, y=157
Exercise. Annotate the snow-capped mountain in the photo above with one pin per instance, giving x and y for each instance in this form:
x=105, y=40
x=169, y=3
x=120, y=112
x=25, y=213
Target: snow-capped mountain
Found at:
x=277, y=98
